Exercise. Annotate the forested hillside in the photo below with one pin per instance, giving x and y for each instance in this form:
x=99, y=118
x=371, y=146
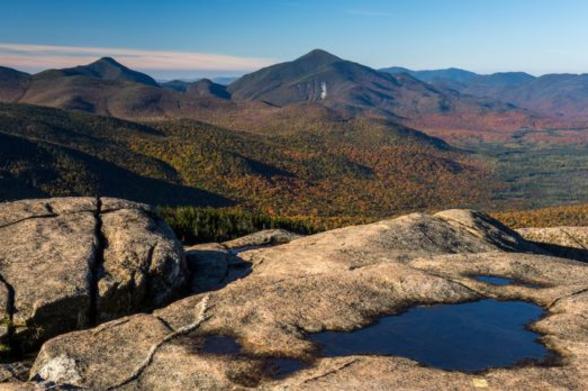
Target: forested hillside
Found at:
x=349, y=168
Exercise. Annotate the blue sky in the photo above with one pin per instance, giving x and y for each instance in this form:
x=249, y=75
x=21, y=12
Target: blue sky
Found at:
x=223, y=37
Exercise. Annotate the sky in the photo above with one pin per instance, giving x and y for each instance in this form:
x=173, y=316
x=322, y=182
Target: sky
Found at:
x=191, y=39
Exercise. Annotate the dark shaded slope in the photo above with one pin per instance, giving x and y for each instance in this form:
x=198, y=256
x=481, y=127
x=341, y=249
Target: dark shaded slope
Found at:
x=47, y=152
x=13, y=84
x=33, y=169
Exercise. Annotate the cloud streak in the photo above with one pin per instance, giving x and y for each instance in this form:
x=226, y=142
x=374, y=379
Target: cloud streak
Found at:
x=37, y=57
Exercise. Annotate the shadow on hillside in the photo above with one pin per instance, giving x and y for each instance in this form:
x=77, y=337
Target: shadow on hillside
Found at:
x=574, y=253
x=37, y=169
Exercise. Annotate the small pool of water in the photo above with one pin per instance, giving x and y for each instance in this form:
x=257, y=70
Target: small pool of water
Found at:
x=493, y=280
x=466, y=337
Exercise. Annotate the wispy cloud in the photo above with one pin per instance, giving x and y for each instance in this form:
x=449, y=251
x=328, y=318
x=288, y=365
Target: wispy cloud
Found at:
x=36, y=57
x=360, y=12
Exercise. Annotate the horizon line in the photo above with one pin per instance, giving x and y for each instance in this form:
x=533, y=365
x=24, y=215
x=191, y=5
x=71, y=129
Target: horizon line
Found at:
x=34, y=58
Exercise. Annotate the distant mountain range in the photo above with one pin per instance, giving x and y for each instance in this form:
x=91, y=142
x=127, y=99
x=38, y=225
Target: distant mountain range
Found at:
x=557, y=95
x=453, y=104
x=318, y=135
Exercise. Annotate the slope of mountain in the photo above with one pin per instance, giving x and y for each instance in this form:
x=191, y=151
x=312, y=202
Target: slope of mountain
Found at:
x=13, y=83
x=358, y=90
x=107, y=68
x=175, y=85
x=354, y=169
x=199, y=88
x=564, y=95
x=496, y=84
x=450, y=77
x=556, y=95
x=465, y=81
x=224, y=80
x=48, y=152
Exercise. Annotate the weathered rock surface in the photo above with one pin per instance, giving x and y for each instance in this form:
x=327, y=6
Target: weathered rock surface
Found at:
x=68, y=262
x=401, y=239
x=567, y=242
x=208, y=265
x=266, y=237
x=213, y=265
x=338, y=280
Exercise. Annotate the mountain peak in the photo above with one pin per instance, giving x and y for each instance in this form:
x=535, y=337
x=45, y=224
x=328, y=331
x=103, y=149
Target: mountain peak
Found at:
x=319, y=56
x=108, y=61
x=107, y=68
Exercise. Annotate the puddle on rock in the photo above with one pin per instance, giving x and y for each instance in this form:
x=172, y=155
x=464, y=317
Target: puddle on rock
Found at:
x=493, y=280
x=465, y=337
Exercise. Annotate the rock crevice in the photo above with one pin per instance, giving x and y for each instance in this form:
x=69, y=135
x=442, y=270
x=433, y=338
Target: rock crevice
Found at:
x=71, y=263
x=96, y=265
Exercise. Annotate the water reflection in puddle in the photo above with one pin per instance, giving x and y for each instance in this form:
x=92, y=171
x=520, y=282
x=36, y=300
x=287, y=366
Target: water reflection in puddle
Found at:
x=466, y=337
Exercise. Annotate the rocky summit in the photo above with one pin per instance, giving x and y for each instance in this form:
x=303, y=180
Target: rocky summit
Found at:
x=70, y=263
x=253, y=329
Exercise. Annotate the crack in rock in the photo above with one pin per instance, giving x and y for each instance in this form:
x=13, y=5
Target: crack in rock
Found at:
x=43, y=216
x=331, y=371
x=201, y=317
x=95, y=267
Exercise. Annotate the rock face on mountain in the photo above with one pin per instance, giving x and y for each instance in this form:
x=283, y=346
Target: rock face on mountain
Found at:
x=67, y=263
x=235, y=337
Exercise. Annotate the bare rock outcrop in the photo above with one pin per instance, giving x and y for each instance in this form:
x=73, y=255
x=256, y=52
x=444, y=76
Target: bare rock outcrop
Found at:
x=265, y=237
x=400, y=239
x=68, y=263
x=209, y=265
x=338, y=280
x=213, y=265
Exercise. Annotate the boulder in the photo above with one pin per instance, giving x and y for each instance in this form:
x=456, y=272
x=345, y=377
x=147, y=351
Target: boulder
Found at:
x=67, y=263
x=338, y=280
